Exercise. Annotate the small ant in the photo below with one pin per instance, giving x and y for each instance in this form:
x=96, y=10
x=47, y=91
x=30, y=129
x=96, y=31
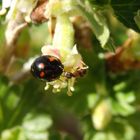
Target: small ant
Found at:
x=80, y=72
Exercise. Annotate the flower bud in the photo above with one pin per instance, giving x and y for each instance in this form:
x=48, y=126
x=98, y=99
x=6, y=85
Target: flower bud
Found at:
x=101, y=116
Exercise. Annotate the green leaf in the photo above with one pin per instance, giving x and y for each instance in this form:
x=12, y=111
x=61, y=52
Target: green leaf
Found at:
x=15, y=133
x=111, y=136
x=125, y=11
x=129, y=132
x=120, y=86
x=11, y=100
x=37, y=122
x=97, y=22
x=110, y=45
x=99, y=136
x=92, y=100
x=35, y=126
x=137, y=18
x=123, y=109
x=126, y=97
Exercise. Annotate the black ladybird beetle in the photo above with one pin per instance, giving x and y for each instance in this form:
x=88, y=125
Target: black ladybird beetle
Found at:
x=47, y=68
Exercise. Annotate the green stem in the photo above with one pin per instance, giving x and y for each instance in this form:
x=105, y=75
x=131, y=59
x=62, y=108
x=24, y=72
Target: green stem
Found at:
x=64, y=35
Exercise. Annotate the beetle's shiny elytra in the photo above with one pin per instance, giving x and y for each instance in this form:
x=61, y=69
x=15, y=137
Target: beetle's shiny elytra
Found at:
x=47, y=68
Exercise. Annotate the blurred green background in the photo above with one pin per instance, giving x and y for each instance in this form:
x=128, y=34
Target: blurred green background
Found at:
x=106, y=102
